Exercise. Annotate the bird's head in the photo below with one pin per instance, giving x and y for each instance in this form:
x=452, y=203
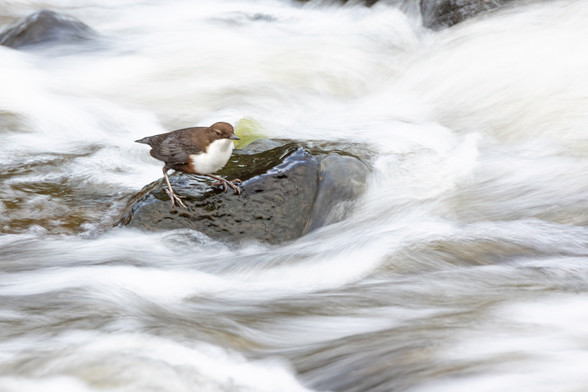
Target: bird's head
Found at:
x=221, y=130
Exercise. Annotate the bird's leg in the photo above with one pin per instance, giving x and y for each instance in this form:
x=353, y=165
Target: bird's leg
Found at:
x=170, y=191
x=226, y=184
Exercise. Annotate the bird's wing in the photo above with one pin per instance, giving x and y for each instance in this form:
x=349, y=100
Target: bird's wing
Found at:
x=171, y=149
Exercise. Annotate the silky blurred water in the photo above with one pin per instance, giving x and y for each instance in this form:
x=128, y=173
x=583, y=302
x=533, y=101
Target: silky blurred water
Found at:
x=462, y=267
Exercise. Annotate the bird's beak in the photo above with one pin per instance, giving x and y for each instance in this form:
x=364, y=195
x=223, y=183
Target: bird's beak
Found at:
x=234, y=137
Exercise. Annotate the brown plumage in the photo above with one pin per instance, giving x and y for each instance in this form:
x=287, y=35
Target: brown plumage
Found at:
x=197, y=150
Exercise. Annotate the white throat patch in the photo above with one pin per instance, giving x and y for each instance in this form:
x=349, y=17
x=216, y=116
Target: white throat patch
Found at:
x=216, y=156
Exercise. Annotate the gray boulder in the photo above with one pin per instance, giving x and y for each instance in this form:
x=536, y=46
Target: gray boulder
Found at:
x=288, y=190
x=439, y=14
x=44, y=27
x=341, y=182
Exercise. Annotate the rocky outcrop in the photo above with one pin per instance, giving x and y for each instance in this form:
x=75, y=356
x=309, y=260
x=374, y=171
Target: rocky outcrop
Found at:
x=288, y=190
x=44, y=27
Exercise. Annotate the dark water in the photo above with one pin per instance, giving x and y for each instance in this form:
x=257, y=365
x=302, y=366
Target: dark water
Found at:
x=462, y=267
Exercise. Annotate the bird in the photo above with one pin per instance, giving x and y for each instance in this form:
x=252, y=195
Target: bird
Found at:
x=195, y=150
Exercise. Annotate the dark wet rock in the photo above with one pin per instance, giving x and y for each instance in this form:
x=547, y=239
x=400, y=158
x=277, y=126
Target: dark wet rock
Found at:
x=45, y=27
x=436, y=14
x=439, y=14
x=341, y=181
x=288, y=190
x=368, y=3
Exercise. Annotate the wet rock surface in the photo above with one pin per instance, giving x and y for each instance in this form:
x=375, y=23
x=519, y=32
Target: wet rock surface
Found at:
x=341, y=181
x=439, y=14
x=44, y=27
x=287, y=191
x=368, y=3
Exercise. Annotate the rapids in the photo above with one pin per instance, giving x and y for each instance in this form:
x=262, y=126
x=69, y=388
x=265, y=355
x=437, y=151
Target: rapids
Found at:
x=463, y=266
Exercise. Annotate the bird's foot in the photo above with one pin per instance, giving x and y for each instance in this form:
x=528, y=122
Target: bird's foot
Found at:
x=175, y=198
x=229, y=184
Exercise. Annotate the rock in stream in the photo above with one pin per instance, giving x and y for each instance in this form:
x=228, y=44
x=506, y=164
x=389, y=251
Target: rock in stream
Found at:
x=43, y=27
x=288, y=190
x=439, y=14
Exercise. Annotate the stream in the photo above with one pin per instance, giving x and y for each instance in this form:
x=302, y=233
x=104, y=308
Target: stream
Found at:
x=463, y=266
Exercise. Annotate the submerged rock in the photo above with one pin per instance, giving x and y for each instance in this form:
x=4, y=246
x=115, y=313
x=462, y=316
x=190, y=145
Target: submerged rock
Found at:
x=43, y=27
x=288, y=190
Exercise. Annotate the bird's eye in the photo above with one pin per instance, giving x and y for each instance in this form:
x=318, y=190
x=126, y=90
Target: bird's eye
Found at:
x=218, y=133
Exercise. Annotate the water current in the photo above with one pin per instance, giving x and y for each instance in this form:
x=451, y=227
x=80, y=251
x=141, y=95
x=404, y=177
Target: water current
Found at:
x=463, y=266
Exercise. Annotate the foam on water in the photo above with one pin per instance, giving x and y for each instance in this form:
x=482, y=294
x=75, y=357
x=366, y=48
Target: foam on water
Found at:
x=516, y=77
x=538, y=353
x=90, y=362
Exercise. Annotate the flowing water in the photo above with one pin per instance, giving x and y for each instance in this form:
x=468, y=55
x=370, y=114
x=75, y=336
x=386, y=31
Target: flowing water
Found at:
x=463, y=266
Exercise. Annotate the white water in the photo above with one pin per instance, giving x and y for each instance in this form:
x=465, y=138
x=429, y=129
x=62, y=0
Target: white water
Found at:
x=463, y=267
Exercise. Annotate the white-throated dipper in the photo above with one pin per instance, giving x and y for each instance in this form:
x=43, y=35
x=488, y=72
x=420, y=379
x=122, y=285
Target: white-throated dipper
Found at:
x=197, y=150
